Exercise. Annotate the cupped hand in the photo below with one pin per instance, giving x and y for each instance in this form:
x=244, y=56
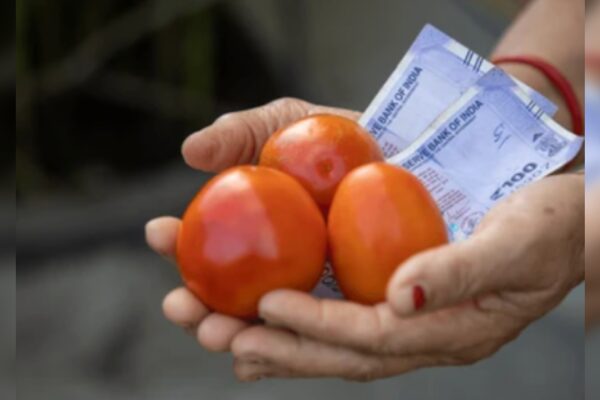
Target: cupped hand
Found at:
x=479, y=294
x=234, y=138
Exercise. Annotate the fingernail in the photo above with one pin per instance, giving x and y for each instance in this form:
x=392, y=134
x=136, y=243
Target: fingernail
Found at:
x=149, y=228
x=409, y=299
x=418, y=295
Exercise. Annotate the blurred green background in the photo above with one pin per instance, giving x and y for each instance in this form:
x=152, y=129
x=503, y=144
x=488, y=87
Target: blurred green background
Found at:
x=106, y=92
x=7, y=204
x=112, y=87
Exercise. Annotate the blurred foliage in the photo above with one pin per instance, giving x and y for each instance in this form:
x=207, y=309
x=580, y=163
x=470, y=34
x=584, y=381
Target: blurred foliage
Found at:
x=112, y=87
x=107, y=88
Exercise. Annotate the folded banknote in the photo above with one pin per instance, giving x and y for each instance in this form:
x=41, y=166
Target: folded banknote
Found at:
x=469, y=131
x=433, y=74
x=490, y=142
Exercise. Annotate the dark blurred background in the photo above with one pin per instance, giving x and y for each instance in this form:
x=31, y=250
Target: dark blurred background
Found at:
x=7, y=203
x=106, y=92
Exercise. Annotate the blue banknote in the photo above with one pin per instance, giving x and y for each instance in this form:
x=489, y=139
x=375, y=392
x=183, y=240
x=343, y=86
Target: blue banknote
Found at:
x=490, y=142
x=433, y=74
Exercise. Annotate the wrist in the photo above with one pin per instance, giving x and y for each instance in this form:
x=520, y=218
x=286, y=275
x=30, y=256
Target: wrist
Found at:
x=537, y=81
x=579, y=233
x=592, y=66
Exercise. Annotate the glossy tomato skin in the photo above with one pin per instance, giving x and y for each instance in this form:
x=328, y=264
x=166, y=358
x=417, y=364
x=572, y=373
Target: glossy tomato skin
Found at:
x=250, y=230
x=380, y=216
x=319, y=150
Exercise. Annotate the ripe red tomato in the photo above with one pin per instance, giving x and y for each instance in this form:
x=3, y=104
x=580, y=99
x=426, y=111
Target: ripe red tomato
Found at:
x=248, y=231
x=380, y=216
x=319, y=150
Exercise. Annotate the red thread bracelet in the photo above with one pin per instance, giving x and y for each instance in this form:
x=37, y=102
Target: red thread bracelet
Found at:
x=558, y=80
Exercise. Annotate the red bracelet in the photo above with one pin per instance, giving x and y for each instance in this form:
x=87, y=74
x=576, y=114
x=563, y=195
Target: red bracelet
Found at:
x=558, y=80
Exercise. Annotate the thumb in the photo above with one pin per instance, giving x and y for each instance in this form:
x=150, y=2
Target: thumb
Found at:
x=450, y=275
x=237, y=137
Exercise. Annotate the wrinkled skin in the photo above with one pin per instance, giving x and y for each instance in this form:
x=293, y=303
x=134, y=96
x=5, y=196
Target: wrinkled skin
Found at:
x=592, y=201
x=592, y=256
x=524, y=258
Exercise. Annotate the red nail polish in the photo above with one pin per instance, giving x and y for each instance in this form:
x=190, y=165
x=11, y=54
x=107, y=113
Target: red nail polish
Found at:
x=418, y=297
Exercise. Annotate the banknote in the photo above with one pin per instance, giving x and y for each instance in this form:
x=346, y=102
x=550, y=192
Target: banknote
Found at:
x=592, y=134
x=490, y=142
x=469, y=131
x=432, y=75
x=493, y=140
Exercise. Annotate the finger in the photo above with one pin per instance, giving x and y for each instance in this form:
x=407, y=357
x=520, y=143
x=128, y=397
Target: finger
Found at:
x=517, y=248
x=280, y=353
x=236, y=138
x=453, y=274
x=216, y=331
x=182, y=308
x=333, y=321
x=315, y=109
x=379, y=330
x=161, y=235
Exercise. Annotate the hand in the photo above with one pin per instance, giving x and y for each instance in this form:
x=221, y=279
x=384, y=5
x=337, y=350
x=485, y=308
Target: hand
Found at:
x=234, y=138
x=524, y=258
x=479, y=293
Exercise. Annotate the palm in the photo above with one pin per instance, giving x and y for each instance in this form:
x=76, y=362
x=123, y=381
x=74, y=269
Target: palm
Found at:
x=480, y=293
x=233, y=139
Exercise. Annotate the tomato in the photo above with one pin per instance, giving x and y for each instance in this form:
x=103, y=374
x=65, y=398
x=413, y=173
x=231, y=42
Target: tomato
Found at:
x=248, y=231
x=380, y=216
x=319, y=150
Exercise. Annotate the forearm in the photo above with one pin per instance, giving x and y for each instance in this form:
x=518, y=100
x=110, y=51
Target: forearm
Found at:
x=592, y=256
x=552, y=30
x=592, y=212
x=592, y=42
x=571, y=195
